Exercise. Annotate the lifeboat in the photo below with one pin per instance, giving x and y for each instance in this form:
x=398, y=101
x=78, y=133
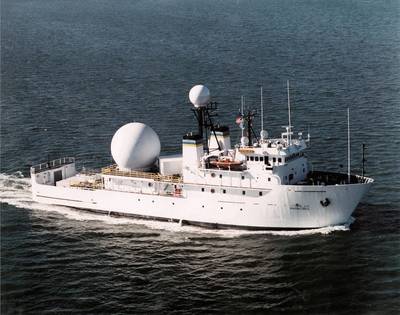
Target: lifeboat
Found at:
x=226, y=163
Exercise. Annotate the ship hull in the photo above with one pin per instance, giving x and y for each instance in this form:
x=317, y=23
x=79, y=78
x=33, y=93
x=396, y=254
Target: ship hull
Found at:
x=282, y=207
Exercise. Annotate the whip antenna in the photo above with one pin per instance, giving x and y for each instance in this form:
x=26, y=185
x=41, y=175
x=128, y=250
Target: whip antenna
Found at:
x=348, y=145
x=290, y=124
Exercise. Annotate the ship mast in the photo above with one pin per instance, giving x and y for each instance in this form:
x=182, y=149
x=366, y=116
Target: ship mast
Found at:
x=262, y=108
x=242, y=113
x=290, y=123
x=348, y=146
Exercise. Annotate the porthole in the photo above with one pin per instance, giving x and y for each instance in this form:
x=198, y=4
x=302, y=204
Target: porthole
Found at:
x=202, y=206
x=222, y=208
x=241, y=209
x=212, y=174
x=212, y=190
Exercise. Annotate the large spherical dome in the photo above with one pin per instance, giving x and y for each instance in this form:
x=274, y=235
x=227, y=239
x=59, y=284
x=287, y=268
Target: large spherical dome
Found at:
x=135, y=146
x=199, y=95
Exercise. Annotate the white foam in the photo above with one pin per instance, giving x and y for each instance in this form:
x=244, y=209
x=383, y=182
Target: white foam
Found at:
x=15, y=190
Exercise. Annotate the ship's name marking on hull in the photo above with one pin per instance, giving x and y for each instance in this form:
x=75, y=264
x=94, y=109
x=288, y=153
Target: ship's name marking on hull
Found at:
x=299, y=207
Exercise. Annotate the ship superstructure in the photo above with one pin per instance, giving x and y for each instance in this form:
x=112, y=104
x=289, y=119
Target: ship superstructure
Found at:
x=260, y=183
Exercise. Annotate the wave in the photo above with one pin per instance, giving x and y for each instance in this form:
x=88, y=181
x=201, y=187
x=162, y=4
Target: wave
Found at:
x=15, y=190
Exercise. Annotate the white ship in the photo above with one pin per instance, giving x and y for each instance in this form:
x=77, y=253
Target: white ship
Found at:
x=261, y=183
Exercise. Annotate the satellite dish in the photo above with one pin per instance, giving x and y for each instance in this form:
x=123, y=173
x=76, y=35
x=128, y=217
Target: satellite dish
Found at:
x=199, y=95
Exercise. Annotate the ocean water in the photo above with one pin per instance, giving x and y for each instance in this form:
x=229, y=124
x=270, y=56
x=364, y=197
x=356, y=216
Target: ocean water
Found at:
x=72, y=72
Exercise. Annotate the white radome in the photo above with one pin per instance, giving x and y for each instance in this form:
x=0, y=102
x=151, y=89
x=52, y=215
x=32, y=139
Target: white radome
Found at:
x=135, y=146
x=244, y=141
x=199, y=95
x=264, y=134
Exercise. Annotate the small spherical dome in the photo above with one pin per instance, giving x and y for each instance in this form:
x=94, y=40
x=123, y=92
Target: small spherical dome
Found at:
x=135, y=146
x=244, y=141
x=199, y=95
x=264, y=134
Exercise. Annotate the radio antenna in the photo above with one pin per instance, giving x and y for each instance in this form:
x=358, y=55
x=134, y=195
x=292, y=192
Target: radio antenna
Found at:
x=242, y=113
x=348, y=146
x=290, y=123
x=262, y=108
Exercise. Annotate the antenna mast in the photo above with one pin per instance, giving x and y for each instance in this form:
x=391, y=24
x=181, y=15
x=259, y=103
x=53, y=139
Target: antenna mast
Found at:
x=290, y=123
x=242, y=113
x=262, y=109
x=348, y=145
x=363, y=159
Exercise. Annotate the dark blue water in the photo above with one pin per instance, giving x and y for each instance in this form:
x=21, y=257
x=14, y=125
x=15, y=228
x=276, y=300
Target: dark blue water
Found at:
x=72, y=72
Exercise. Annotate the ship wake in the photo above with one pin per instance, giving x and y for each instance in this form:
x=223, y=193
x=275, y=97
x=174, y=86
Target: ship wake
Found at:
x=15, y=190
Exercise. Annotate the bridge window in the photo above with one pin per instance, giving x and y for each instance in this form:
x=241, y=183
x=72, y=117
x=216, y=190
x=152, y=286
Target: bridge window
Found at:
x=290, y=176
x=224, y=191
x=274, y=160
x=243, y=192
x=242, y=177
x=220, y=175
x=251, y=158
x=269, y=179
x=212, y=190
x=202, y=189
x=256, y=158
x=260, y=193
x=279, y=160
x=261, y=158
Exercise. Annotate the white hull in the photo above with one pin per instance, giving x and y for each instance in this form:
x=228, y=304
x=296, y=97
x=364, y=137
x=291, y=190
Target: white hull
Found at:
x=281, y=207
x=254, y=185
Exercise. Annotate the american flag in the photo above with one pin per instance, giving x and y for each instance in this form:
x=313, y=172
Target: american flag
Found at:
x=239, y=119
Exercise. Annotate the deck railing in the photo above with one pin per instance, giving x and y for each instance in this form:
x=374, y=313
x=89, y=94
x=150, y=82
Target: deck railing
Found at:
x=51, y=164
x=113, y=170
